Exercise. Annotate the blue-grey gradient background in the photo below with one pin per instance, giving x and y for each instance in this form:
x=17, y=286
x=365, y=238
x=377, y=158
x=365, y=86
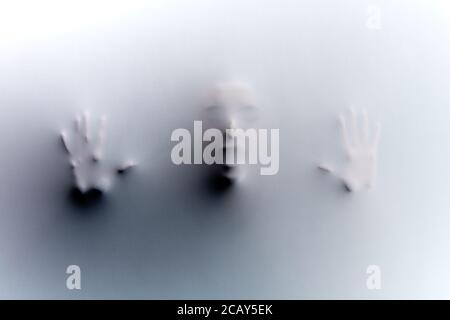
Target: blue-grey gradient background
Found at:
x=161, y=233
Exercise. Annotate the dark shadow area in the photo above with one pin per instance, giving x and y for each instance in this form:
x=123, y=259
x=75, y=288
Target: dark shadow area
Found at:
x=347, y=188
x=92, y=198
x=220, y=181
x=217, y=182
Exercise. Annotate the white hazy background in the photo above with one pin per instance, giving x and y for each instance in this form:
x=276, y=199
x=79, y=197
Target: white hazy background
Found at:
x=160, y=233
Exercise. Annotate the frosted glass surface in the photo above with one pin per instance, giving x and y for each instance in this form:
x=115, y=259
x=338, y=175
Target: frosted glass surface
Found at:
x=161, y=232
